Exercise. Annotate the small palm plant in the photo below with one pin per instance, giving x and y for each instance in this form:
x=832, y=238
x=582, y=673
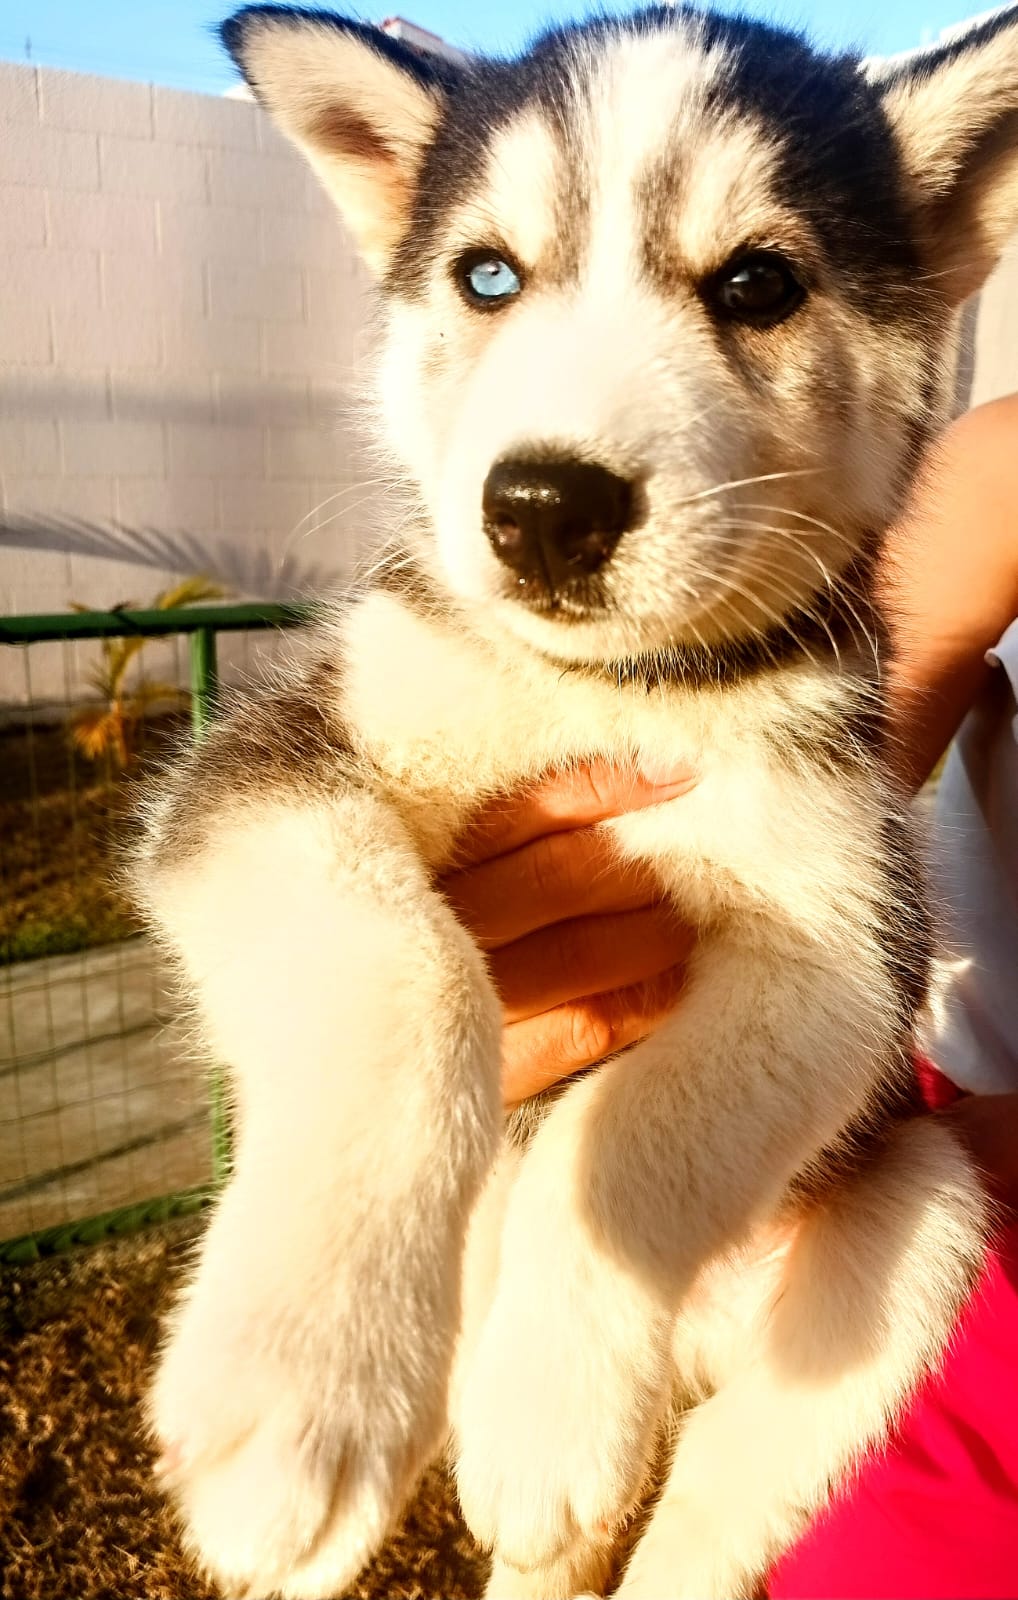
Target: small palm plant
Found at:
x=107, y=732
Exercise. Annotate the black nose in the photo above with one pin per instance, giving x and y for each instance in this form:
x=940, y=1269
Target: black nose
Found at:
x=555, y=520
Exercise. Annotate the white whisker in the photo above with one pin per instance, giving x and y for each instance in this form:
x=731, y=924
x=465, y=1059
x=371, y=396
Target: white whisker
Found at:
x=740, y=483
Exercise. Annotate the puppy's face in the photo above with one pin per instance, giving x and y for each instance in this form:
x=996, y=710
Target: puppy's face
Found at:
x=653, y=347
x=663, y=311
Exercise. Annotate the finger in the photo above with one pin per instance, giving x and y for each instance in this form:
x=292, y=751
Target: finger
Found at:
x=572, y=797
x=542, y=1050
x=554, y=879
x=590, y=955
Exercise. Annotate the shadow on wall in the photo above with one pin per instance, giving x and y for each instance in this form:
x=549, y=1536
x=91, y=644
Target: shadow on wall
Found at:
x=271, y=402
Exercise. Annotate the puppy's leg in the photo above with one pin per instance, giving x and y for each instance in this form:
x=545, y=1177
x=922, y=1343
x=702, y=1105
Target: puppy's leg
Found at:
x=640, y=1174
x=482, y=1258
x=586, y=1568
x=872, y=1287
x=304, y=1383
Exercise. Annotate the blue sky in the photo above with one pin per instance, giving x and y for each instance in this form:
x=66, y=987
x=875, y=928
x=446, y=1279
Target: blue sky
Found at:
x=169, y=41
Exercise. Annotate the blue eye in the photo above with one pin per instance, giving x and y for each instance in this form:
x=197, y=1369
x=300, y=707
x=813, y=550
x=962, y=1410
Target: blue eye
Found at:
x=488, y=279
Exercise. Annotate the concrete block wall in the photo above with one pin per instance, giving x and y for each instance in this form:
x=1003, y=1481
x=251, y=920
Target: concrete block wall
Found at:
x=181, y=319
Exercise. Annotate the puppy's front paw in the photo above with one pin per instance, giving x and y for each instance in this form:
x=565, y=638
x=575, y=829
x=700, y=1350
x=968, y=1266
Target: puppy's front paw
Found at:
x=260, y=1490
x=293, y=1426
x=558, y=1421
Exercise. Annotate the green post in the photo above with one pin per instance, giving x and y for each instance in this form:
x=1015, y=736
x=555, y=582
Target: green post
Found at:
x=204, y=679
x=204, y=688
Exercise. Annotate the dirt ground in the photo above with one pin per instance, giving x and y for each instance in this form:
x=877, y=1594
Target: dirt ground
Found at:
x=64, y=824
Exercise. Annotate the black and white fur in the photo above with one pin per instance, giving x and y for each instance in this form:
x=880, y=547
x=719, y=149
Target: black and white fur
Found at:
x=731, y=1222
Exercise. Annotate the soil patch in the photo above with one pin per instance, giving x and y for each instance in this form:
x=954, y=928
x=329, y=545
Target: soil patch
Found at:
x=64, y=827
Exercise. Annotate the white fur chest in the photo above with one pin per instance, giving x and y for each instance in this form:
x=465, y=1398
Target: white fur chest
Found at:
x=449, y=718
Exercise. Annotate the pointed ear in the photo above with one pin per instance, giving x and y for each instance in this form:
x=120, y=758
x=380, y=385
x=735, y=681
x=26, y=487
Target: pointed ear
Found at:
x=361, y=106
x=954, y=110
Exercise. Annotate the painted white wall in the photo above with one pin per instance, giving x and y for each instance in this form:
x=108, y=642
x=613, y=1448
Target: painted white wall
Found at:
x=181, y=316
x=993, y=358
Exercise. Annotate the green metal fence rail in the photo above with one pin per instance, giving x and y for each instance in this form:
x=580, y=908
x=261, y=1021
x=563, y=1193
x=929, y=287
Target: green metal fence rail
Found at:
x=202, y=624
x=123, y=623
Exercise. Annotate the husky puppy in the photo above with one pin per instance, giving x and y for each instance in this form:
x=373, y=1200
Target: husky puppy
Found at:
x=665, y=304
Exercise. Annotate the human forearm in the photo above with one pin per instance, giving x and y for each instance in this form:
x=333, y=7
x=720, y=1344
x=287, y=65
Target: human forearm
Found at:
x=950, y=583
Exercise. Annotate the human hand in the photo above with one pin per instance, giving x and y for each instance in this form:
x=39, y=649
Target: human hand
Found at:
x=585, y=954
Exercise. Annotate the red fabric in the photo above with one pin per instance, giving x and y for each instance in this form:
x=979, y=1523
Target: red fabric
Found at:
x=937, y=1091
x=935, y=1515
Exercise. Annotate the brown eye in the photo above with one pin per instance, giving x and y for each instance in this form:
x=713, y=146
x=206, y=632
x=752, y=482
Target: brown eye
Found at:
x=759, y=288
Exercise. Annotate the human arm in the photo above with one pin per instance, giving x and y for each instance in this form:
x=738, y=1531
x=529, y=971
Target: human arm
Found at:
x=950, y=582
x=951, y=587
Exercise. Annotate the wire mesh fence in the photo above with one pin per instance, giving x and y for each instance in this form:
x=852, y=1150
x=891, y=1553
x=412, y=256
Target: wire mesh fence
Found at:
x=106, y=1112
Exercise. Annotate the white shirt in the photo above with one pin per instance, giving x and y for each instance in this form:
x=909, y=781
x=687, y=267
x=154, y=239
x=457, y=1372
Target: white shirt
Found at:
x=974, y=1034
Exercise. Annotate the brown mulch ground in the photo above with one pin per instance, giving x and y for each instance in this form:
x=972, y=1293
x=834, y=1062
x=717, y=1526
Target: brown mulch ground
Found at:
x=80, y=1518
x=64, y=824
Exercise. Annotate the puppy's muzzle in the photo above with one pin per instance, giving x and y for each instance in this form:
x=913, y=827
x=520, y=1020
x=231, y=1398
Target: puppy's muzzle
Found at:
x=553, y=522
